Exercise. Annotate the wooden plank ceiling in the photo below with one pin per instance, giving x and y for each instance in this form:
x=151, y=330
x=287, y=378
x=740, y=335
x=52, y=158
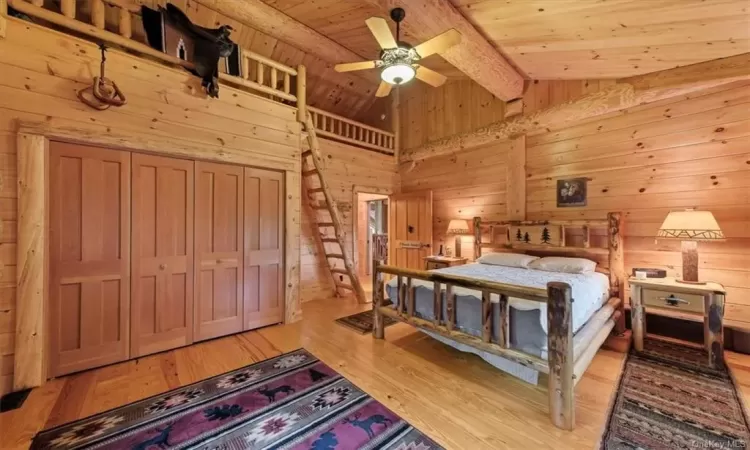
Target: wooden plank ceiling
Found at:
x=562, y=39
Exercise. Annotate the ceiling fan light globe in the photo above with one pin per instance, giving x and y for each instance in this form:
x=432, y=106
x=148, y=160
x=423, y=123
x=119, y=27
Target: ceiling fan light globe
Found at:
x=399, y=73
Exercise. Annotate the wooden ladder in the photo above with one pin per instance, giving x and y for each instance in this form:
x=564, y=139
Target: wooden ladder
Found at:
x=309, y=173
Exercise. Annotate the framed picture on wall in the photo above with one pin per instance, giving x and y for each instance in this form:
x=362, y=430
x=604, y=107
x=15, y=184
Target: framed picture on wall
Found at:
x=571, y=192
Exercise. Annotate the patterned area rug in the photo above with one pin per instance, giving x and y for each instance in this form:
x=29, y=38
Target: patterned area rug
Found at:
x=362, y=322
x=669, y=398
x=293, y=401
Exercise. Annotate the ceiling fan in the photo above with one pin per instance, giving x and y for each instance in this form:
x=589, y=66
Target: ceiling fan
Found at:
x=397, y=59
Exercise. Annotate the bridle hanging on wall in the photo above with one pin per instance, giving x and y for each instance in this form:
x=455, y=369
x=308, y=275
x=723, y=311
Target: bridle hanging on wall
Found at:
x=103, y=92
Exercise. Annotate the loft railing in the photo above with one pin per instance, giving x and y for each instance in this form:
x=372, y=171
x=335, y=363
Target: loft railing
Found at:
x=346, y=130
x=259, y=73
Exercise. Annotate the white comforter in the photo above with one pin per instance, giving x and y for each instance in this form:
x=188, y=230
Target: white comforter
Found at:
x=590, y=290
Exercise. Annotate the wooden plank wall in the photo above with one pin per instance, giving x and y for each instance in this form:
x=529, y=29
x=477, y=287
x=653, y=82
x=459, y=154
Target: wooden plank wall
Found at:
x=684, y=152
x=344, y=168
x=429, y=113
x=41, y=72
x=689, y=151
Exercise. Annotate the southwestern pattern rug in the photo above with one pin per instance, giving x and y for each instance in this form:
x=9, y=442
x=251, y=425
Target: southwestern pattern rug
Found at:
x=293, y=401
x=669, y=398
x=362, y=322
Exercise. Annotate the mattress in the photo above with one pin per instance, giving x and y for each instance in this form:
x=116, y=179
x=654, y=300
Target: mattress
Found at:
x=528, y=319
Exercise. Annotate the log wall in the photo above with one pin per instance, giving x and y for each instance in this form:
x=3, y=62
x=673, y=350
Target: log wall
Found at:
x=41, y=72
x=689, y=151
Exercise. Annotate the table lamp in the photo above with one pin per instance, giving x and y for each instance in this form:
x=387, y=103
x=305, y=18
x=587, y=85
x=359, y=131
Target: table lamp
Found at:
x=690, y=226
x=458, y=227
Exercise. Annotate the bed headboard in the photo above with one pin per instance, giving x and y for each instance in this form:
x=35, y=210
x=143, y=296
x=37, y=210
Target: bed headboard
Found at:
x=598, y=240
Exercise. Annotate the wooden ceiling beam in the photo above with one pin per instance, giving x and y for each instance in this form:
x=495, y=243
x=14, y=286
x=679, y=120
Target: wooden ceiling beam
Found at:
x=628, y=92
x=474, y=56
x=274, y=23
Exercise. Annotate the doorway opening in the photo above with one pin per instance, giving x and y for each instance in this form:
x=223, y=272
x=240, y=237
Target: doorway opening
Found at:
x=371, y=234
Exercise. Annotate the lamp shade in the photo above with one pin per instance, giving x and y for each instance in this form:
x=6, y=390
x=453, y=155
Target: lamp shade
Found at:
x=690, y=225
x=458, y=226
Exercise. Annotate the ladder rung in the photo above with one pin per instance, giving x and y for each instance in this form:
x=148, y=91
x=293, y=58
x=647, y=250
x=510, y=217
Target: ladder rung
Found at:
x=334, y=255
x=329, y=240
x=314, y=190
x=341, y=271
x=306, y=153
x=325, y=224
x=345, y=286
x=307, y=173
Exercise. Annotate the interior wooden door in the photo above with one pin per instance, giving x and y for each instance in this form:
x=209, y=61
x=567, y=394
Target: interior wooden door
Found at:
x=218, y=249
x=410, y=229
x=162, y=252
x=264, y=248
x=89, y=266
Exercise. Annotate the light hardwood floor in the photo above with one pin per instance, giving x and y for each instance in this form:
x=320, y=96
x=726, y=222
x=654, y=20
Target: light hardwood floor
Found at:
x=457, y=399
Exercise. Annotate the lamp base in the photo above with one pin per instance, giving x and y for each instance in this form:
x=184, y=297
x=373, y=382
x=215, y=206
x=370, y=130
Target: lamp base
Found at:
x=690, y=263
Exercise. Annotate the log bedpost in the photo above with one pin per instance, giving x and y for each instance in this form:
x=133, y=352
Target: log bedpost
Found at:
x=486, y=316
x=301, y=93
x=504, y=321
x=637, y=317
x=478, y=237
x=450, y=299
x=378, y=287
x=560, y=355
x=713, y=329
x=616, y=265
x=437, y=308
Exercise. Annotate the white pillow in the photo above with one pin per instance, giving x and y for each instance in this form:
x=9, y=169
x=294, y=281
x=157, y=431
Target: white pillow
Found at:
x=564, y=265
x=507, y=259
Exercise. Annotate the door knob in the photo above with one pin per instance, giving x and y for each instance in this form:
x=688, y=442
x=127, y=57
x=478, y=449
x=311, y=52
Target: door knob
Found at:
x=162, y=266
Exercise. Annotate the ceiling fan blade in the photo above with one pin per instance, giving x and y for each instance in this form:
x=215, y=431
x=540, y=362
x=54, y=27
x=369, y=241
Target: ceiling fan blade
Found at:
x=384, y=89
x=350, y=67
x=439, y=43
x=379, y=28
x=430, y=77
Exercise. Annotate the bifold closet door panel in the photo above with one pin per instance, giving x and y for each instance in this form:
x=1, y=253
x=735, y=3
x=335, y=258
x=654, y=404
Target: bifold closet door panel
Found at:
x=162, y=253
x=89, y=265
x=218, y=249
x=264, y=248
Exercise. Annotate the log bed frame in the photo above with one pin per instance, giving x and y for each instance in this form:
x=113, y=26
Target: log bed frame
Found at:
x=567, y=358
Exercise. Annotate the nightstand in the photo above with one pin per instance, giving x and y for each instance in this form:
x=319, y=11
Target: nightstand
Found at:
x=441, y=262
x=687, y=301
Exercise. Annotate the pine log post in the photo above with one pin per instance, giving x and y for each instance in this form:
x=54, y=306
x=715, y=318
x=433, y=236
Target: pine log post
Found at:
x=396, y=121
x=378, y=288
x=504, y=321
x=486, y=316
x=637, y=317
x=616, y=264
x=68, y=8
x=560, y=355
x=437, y=307
x=400, y=294
x=478, y=237
x=126, y=24
x=98, y=14
x=410, y=300
x=450, y=299
x=714, y=329
x=301, y=93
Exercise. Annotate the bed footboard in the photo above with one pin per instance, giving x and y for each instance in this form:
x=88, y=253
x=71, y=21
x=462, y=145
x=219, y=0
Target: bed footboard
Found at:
x=565, y=363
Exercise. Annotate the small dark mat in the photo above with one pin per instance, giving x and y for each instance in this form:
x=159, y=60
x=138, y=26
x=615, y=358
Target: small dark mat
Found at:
x=668, y=397
x=362, y=322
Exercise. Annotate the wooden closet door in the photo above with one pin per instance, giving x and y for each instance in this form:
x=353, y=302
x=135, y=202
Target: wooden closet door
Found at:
x=218, y=249
x=264, y=248
x=162, y=291
x=89, y=293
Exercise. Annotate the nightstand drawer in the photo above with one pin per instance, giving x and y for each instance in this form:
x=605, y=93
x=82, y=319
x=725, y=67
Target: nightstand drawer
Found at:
x=673, y=300
x=431, y=265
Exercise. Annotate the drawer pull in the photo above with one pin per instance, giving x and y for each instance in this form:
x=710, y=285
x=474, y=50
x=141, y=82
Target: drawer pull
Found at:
x=674, y=301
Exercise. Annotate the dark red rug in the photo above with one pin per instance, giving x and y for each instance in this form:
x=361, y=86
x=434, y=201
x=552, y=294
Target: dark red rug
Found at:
x=293, y=401
x=669, y=398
